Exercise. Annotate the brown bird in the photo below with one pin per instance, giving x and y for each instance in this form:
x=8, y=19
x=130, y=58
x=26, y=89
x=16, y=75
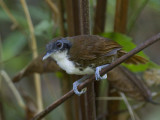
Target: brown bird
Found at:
x=86, y=55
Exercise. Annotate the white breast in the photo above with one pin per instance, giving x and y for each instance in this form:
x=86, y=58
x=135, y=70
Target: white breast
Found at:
x=69, y=66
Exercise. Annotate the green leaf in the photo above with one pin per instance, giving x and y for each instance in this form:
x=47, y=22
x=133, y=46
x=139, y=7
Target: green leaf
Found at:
x=13, y=44
x=38, y=13
x=44, y=28
x=20, y=19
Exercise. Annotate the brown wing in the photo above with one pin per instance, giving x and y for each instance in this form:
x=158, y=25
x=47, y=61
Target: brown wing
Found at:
x=90, y=47
x=133, y=60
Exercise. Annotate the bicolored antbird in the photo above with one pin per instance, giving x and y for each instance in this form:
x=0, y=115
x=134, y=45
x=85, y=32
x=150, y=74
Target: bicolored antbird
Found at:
x=86, y=55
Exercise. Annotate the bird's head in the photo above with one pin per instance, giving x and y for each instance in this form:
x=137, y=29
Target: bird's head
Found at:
x=55, y=46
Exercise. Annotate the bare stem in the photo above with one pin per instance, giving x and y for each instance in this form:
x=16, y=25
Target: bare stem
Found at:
x=6, y=9
x=121, y=16
x=134, y=17
x=100, y=17
x=85, y=29
x=35, y=54
x=54, y=10
x=99, y=26
x=13, y=88
x=128, y=106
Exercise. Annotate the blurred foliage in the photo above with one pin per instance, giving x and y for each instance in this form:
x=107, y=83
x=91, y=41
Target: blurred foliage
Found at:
x=11, y=49
x=16, y=53
x=15, y=42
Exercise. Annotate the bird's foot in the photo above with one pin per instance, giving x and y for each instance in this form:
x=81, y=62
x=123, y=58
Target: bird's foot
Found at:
x=97, y=75
x=78, y=82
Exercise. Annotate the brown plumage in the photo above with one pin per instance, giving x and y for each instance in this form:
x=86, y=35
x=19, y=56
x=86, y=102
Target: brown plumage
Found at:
x=93, y=49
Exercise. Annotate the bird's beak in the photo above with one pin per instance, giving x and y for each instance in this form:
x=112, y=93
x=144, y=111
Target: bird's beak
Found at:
x=46, y=56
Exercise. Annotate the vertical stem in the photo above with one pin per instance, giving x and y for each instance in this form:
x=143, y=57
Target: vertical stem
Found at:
x=1, y=51
x=54, y=10
x=119, y=26
x=73, y=29
x=99, y=25
x=66, y=83
x=2, y=117
x=1, y=110
x=121, y=16
x=63, y=31
x=100, y=17
x=70, y=17
x=83, y=107
x=113, y=105
x=77, y=29
x=35, y=54
x=84, y=16
x=85, y=29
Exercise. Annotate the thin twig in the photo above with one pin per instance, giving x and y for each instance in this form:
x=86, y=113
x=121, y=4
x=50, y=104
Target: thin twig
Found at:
x=35, y=54
x=6, y=9
x=54, y=10
x=143, y=45
x=110, y=98
x=1, y=52
x=128, y=106
x=56, y=16
x=134, y=17
x=13, y=88
x=1, y=67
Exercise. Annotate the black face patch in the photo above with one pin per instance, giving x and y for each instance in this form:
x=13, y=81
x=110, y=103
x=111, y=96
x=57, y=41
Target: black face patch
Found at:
x=58, y=45
x=65, y=44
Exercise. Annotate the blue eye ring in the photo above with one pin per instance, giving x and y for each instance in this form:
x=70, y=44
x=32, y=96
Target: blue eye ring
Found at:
x=59, y=44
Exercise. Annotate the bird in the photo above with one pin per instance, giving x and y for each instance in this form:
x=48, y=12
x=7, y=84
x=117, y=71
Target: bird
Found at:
x=86, y=55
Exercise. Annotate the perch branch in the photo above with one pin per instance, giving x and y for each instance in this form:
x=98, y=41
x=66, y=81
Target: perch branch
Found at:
x=143, y=45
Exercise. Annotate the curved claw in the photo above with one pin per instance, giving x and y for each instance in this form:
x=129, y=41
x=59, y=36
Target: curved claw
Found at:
x=97, y=75
x=75, y=88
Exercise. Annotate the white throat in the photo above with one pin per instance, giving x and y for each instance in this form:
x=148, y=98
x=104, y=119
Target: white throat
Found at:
x=63, y=61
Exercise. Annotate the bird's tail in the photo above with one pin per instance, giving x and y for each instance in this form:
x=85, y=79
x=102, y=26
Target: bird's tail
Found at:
x=133, y=60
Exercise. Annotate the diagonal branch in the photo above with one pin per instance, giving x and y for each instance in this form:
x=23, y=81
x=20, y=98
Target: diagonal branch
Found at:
x=143, y=45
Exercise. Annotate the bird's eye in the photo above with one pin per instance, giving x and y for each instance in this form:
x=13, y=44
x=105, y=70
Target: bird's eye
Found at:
x=59, y=44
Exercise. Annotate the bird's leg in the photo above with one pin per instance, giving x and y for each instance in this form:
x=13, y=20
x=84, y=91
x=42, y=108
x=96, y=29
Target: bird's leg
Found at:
x=97, y=75
x=78, y=82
